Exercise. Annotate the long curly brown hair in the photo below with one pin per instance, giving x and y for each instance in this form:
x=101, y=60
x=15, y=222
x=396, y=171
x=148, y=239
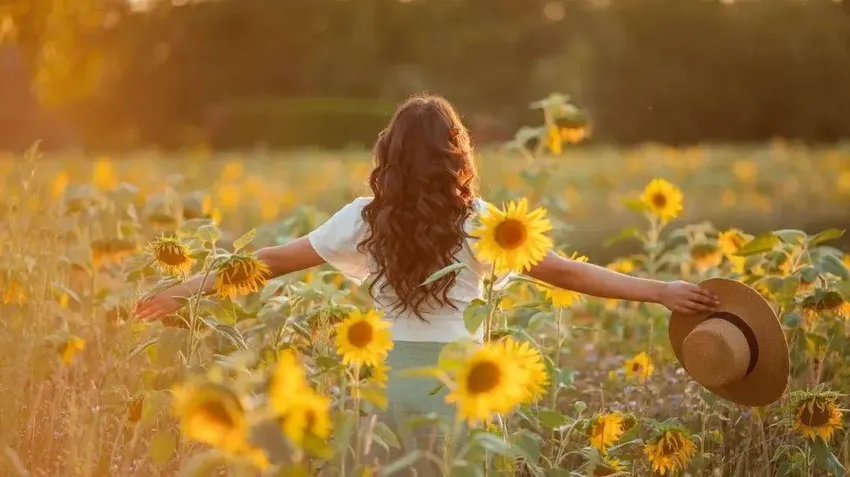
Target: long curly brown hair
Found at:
x=424, y=184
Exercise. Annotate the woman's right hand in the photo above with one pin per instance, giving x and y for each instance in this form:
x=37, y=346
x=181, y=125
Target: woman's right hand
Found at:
x=159, y=306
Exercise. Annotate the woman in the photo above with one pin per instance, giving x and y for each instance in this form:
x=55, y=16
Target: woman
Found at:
x=417, y=222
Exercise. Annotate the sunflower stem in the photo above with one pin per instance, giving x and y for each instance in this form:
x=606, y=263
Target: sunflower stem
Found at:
x=488, y=324
x=358, y=441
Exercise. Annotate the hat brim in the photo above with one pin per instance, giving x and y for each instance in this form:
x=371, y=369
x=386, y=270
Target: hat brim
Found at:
x=768, y=379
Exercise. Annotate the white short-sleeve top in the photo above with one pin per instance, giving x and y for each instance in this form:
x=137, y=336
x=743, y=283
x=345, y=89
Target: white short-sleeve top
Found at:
x=336, y=242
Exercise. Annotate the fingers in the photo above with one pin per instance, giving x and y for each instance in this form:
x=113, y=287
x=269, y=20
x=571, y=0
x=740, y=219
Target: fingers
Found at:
x=702, y=299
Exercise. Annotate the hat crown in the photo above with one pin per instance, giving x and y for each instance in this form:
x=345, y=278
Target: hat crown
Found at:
x=716, y=353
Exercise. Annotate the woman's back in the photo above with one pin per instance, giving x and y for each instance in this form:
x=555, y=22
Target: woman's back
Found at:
x=337, y=240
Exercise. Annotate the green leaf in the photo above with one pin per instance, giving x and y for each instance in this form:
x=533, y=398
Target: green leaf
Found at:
x=171, y=342
x=202, y=465
x=465, y=469
x=453, y=268
x=527, y=444
x=833, y=265
x=760, y=244
x=791, y=236
x=631, y=232
x=244, y=240
x=402, y=463
x=635, y=205
x=552, y=419
x=825, y=236
x=494, y=444
x=233, y=335
x=475, y=314
x=162, y=447
x=209, y=233
x=826, y=459
x=140, y=348
x=386, y=436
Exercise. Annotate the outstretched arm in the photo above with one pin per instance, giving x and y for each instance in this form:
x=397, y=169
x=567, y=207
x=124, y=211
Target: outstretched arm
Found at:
x=600, y=282
x=281, y=259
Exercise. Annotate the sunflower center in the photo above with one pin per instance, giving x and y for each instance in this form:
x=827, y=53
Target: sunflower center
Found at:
x=360, y=334
x=171, y=254
x=216, y=414
x=511, y=234
x=670, y=446
x=659, y=200
x=636, y=367
x=237, y=274
x=483, y=377
x=815, y=415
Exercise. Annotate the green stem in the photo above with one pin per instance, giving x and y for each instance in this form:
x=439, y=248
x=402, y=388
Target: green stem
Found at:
x=488, y=324
x=356, y=385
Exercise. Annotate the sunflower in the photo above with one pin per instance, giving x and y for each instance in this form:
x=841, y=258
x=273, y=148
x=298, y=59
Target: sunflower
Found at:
x=560, y=297
x=211, y=414
x=826, y=303
x=70, y=347
x=624, y=266
x=730, y=241
x=534, y=377
x=103, y=175
x=608, y=466
x=309, y=414
x=489, y=382
x=111, y=251
x=705, y=257
x=379, y=374
x=670, y=451
x=639, y=367
x=662, y=199
x=171, y=256
x=846, y=260
x=363, y=339
x=513, y=239
x=817, y=417
x=240, y=274
x=554, y=140
x=605, y=430
x=288, y=383
x=575, y=134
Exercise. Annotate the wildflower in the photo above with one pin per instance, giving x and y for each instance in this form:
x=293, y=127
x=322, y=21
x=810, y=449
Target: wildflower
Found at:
x=662, y=199
x=605, y=430
x=513, y=239
x=240, y=274
x=670, y=451
x=171, y=256
x=639, y=367
x=489, y=382
x=363, y=339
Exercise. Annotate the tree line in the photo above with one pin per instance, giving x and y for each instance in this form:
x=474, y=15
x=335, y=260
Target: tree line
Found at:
x=328, y=73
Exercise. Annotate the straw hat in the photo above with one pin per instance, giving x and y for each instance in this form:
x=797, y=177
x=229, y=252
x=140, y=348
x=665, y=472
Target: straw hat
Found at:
x=738, y=351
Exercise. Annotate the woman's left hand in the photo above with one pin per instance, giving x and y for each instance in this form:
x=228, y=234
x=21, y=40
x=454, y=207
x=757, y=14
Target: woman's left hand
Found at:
x=684, y=297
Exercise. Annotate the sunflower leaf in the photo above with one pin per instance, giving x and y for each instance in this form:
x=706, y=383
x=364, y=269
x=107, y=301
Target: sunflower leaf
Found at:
x=244, y=240
x=631, y=232
x=833, y=265
x=825, y=236
x=401, y=463
x=760, y=244
x=453, y=268
x=141, y=348
x=162, y=447
x=826, y=459
x=475, y=314
x=386, y=435
x=495, y=444
x=791, y=236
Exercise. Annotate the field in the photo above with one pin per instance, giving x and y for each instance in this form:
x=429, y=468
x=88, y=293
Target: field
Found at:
x=89, y=391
